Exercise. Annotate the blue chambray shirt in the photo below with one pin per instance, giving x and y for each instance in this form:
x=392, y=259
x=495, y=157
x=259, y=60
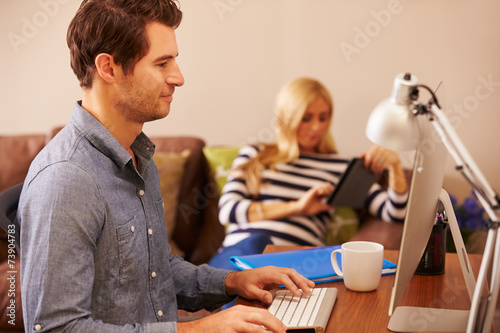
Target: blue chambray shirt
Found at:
x=94, y=250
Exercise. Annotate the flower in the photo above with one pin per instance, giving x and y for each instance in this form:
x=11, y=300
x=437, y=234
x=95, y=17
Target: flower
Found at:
x=470, y=215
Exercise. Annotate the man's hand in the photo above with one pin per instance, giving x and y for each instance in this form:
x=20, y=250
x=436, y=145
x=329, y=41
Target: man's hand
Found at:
x=254, y=284
x=238, y=318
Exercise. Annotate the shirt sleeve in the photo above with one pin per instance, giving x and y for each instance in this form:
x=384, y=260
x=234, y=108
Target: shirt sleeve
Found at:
x=60, y=230
x=387, y=204
x=198, y=287
x=236, y=198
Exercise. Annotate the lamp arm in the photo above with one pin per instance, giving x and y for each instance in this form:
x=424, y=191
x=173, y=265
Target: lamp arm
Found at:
x=479, y=320
x=485, y=193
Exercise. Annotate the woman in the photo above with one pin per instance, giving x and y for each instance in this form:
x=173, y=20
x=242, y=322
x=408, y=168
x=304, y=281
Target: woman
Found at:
x=275, y=193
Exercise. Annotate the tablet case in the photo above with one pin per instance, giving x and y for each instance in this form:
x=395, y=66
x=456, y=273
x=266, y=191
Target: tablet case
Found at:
x=353, y=185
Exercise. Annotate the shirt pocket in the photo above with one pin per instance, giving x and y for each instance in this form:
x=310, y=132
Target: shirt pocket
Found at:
x=129, y=251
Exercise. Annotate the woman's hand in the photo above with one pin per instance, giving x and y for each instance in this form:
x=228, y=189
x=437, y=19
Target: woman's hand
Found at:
x=313, y=201
x=378, y=159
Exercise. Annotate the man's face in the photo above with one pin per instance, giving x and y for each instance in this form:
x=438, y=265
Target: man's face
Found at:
x=146, y=94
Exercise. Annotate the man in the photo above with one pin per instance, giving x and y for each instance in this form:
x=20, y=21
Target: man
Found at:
x=94, y=249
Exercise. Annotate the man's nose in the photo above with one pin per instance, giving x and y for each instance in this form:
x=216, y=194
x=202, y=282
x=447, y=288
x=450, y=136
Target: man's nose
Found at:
x=175, y=78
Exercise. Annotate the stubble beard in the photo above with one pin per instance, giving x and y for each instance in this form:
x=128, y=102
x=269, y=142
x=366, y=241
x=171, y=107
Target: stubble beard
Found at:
x=138, y=104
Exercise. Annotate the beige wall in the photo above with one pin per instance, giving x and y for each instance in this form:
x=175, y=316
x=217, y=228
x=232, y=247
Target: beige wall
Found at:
x=235, y=54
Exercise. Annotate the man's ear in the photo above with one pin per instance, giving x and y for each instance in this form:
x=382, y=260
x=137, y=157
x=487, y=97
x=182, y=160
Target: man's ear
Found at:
x=106, y=67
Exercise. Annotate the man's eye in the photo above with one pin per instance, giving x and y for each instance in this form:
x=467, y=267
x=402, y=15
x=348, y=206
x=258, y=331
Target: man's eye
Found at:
x=163, y=64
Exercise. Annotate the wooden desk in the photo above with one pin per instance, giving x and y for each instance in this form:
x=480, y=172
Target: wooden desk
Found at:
x=368, y=312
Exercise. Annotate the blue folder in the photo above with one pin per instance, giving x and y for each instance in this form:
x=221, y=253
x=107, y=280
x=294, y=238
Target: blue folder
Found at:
x=313, y=263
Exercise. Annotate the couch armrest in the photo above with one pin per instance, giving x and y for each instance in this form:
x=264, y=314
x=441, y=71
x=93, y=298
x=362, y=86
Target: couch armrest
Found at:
x=16, y=154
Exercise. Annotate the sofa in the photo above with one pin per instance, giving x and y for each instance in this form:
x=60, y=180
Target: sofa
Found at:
x=191, y=175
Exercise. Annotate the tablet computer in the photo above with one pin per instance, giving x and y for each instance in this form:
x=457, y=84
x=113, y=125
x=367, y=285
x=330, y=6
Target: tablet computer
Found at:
x=353, y=185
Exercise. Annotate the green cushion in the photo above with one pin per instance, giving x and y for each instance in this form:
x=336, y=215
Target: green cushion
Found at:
x=345, y=224
x=220, y=160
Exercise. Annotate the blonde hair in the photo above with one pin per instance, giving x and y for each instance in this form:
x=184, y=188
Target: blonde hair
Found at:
x=291, y=104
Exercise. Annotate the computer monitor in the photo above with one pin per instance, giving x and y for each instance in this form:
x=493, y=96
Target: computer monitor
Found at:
x=424, y=196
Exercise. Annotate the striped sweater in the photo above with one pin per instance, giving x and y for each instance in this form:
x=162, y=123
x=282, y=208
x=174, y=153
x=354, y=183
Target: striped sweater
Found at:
x=288, y=182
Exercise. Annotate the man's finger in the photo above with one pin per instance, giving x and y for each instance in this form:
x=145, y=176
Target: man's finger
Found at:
x=293, y=281
x=265, y=318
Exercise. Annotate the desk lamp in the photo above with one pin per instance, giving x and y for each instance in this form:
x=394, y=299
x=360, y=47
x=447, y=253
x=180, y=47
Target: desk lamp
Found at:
x=393, y=124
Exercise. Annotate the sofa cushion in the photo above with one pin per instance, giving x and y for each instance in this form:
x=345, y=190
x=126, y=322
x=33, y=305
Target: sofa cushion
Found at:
x=344, y=225
x=220, y=160
x=171, y=171
x=197, y=230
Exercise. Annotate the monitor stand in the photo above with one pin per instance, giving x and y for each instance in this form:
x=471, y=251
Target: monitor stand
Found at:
x=424, y=319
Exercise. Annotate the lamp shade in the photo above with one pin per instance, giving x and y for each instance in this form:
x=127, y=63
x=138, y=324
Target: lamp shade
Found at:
x=392, y=124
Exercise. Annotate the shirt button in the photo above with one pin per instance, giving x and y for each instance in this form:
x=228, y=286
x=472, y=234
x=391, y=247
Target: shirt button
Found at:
x=141, y=192
x=150, y=231
x=153, y=274
x=132, y=228
x=38, y=327
x=160, y=313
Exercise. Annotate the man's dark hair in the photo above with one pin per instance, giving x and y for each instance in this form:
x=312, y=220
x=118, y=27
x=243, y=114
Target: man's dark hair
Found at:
x=115, y=27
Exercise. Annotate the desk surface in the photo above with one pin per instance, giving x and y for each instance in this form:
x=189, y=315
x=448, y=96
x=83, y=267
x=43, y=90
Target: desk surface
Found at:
x=368, y=312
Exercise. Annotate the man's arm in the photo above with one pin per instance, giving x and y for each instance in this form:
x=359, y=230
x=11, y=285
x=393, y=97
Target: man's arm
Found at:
x=251, y=284
x=198, y=287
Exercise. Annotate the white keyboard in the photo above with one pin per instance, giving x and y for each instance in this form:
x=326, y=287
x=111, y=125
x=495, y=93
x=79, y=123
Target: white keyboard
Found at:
x=306, y=311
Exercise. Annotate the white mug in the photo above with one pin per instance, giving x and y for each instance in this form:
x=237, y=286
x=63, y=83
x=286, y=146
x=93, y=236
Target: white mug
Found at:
x=361, y=265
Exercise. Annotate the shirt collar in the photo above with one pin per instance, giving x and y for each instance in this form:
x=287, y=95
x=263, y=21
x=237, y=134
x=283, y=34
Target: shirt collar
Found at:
x=106, y=143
